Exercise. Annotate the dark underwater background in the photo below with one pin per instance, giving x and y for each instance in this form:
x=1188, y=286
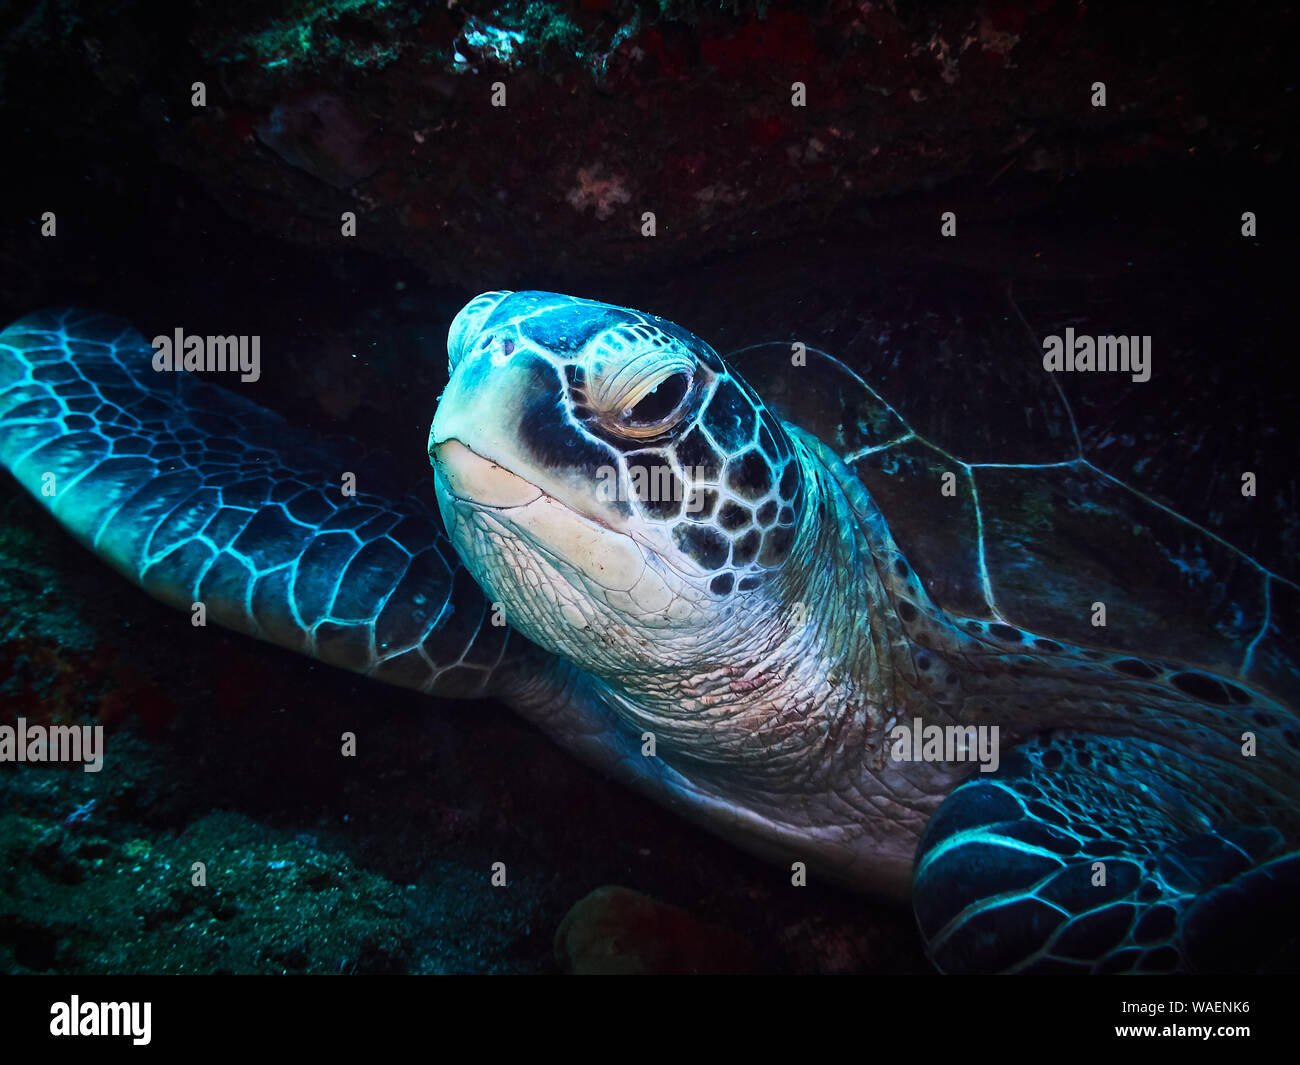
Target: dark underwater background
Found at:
x=773, y=222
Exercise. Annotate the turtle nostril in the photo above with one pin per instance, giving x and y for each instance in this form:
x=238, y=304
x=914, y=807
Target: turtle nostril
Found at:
x=468, y=324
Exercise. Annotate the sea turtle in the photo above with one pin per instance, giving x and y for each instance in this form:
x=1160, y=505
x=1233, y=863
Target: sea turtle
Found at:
x=758, y=592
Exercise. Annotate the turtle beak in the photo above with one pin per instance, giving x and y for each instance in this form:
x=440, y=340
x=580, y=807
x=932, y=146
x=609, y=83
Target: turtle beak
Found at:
x=470, y=476
x=500, y=433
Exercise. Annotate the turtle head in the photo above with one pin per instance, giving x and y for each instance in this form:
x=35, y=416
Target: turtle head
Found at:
x=610, y=481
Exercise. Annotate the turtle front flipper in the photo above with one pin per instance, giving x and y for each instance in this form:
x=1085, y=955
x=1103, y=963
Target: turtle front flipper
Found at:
x=1087, y=853
x=202, y=497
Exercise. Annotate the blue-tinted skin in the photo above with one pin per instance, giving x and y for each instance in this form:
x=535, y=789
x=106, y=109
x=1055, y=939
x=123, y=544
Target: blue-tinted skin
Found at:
x=197, y=495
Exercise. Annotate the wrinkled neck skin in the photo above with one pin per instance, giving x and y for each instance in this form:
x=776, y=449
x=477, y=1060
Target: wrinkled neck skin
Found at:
x=791, y=685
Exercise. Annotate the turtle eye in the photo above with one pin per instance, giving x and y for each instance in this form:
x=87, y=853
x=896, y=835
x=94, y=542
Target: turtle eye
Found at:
x=657, y=407
x=653, y=405
x=636, y=382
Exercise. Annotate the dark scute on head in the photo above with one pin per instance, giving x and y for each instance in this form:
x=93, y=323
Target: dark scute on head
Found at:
x=789, y=481
x=1044, y=644
x=906, y=611
x=721, y=584
x=729, y=417
x=564, y=329
x=550, y=439
x=701, y=503
x=749, y=476
x=698, y=457
x=746, y=548
x=1200, y=686
x=655, y=485
x=702, y=543
x=776, y=545
x=733, y=516
x=1004, y=632
x=691, y=342
x=767, y=514
x=748, y=584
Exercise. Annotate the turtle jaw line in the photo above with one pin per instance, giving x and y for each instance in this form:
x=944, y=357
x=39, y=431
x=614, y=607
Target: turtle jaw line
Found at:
x=578, y=551
x=455, y=461
x=446, y=454
x=443, y=453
